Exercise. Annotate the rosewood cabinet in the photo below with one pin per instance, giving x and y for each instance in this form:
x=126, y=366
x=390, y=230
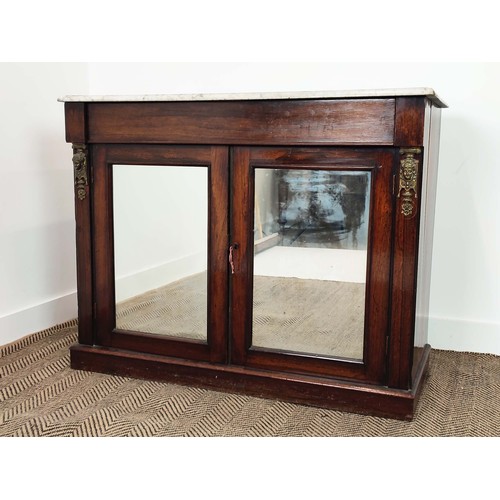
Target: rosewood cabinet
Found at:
x=277, y=245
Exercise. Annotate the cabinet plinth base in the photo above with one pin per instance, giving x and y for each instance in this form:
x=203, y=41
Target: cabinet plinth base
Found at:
x=314, y=391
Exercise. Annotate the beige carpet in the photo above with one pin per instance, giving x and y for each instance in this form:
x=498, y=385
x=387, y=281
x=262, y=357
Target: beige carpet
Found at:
x=40, y=395
x=301, y=315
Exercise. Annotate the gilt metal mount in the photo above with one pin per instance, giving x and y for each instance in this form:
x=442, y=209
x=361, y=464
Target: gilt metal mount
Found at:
x=80, y=167
x=408, y=177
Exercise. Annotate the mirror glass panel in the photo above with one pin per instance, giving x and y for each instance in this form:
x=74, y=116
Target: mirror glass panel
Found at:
x=160, y=239
x=310, y=260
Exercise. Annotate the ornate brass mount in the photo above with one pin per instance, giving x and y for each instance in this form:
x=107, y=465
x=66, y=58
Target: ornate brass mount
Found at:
x=408, y=176
x=80, y=166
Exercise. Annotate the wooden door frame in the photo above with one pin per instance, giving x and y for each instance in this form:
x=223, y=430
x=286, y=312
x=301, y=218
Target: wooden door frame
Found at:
x=215, y=158
x=380, y=163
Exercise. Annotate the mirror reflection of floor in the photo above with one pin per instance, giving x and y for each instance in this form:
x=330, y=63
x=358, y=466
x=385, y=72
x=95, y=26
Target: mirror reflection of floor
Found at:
x=308, y=300
x=309, y=316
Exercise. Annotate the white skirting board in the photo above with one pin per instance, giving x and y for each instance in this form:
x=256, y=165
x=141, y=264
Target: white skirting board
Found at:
x=38, y=317
x=456, y=334
x=55, y=311
x=451, y=334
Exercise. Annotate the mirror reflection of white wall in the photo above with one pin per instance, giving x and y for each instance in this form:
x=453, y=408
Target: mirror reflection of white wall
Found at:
x=160, y=233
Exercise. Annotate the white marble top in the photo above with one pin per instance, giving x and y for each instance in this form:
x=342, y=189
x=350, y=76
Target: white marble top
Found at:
x=256, y=96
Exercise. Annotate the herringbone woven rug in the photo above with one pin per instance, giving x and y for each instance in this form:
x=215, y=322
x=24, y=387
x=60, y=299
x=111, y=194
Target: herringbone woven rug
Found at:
x=40, y=395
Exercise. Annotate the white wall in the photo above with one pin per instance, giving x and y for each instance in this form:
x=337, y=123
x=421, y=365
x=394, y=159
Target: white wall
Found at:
x=37, y=252
x=465, y=296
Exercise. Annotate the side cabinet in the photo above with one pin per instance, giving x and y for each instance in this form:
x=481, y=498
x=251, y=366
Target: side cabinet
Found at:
x=277, y=246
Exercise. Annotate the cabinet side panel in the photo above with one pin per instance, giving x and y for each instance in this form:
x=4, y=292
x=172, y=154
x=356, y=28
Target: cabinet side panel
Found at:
x=76, y=127
x=404, y=273
x=83, y=239
x=74, y=115
x=429, y=187
x=409, y=126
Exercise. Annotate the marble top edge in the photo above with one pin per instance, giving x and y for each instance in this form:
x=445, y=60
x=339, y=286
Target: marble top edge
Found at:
x=255, y=96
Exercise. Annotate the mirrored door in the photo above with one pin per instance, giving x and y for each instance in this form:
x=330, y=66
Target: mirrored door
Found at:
x=160, y=227
x=311, y=250
x=161, y=246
